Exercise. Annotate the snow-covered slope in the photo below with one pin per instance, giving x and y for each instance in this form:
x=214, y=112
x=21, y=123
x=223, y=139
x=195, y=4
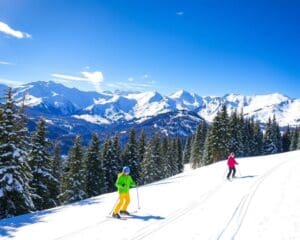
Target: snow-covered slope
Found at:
x=262, y=203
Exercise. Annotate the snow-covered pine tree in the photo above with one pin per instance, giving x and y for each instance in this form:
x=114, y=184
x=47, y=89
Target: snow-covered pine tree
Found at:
x=217, y=144
x=74, y=187
x=150, y=168
x=15, y=191
x=208, y=148
x=187, y=150
x=130, y=157
x=286, y=140
x=295, y=139
x=141, y=146
x=241, y=136
x=298, y=144
x=247, y=138
x=178, y=153
x=57, y=169
x=197, y=150
x=277, y=138
x=257, y=140
x=94, y=168
x=269, y=145
x=173, y=157
x=165, y=153
x=235, y=134
x=111, y=163
x=40, y=162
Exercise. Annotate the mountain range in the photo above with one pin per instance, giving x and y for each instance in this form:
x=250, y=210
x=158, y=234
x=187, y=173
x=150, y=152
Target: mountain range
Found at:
x=69, y=111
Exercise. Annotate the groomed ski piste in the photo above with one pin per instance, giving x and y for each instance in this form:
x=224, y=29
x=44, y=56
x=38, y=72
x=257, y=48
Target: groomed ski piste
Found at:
x=262, y=203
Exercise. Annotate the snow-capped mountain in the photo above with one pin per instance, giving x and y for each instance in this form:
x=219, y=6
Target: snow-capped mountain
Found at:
x=71, y=111
x=108, y=107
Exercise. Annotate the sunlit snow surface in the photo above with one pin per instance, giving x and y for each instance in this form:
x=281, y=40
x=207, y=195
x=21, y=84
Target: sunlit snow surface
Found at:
x=262, y=203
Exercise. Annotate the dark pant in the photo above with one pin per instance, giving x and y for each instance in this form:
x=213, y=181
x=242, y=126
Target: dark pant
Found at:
x=231, y=170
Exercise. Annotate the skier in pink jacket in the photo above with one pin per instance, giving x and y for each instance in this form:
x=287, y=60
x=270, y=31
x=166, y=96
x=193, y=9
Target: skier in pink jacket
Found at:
x=231, y=165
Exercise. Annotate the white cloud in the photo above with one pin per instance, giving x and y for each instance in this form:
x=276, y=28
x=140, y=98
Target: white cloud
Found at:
x=10, y=82
x=179, y=13
x=68, y=77
x=5, y=63
x=95, y=78
x=130, y=79
x=12, y=32
x=131, y=86
x=145, y=76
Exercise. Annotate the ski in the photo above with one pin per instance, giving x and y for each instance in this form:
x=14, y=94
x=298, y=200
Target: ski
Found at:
x=121, y=218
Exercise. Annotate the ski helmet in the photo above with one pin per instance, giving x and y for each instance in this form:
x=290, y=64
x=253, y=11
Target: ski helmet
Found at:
x=126, y=169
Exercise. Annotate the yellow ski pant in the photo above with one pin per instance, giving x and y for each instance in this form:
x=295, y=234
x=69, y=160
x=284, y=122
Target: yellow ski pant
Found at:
x=124, y=200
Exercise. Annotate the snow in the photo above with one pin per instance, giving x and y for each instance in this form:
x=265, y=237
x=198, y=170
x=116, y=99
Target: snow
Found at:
x=32, y=100
x=262, y=203
x=92, y=119
x=119, y=106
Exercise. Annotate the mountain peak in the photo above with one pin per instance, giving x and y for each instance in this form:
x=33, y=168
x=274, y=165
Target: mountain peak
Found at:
x=182, y=94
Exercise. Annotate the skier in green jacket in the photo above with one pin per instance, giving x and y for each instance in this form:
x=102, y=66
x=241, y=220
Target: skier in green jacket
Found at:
x=123, y=183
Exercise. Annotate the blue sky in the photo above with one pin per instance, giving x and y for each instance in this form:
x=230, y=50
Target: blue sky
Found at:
x=209, y=47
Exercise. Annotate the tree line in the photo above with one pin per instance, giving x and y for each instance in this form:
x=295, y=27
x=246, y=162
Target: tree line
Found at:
x=34, y=176
x=238, y=134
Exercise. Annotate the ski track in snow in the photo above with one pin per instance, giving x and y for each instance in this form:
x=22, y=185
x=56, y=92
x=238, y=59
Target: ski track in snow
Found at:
x=151, y=228
x=237, y=218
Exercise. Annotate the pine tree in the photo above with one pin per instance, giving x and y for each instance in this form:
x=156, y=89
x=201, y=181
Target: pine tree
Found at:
x=57, y=170
x=179, y=156
x=294, y=140
x=141, y=146
x=277, y=138
x=247, y=138
x=15, y=192
x=298, y=145
x=197, y=150
x=165, y=153
x=218, y=138
x=257, y=140
x=41, y=167
x=269, y=145
x=173, y=157
x=150, y=168
x=130, y=157
x=235, y=128
x=94, y=169
x=74, y=188
x=286, y=140
x=272, y=137
x=187, y=150
x=111, y=163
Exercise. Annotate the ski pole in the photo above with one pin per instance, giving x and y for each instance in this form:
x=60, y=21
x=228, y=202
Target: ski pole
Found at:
x=113, y=207
x=138, y=198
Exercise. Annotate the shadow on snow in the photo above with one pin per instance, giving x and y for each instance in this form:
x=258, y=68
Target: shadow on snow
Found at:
x=145, y=217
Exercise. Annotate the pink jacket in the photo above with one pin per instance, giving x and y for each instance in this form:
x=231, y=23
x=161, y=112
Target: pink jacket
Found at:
x=231, y=162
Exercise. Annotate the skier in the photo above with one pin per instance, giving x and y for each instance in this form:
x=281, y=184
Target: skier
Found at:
x=231, y=165
x=123, y=183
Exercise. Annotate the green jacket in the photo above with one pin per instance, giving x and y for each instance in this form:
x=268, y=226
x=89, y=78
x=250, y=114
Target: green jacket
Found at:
x=124, y=183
